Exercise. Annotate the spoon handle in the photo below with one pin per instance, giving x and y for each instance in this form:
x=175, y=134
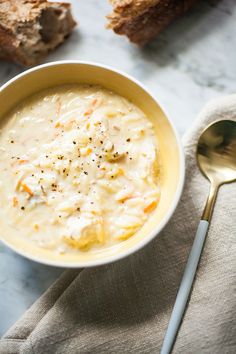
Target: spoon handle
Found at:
x=185, y=287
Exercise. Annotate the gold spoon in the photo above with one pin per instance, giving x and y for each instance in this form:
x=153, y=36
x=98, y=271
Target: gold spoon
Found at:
x=216, y=156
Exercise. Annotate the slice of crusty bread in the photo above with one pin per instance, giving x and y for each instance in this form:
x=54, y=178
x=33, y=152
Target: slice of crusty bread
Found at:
x=29, y=29
x=141, y=20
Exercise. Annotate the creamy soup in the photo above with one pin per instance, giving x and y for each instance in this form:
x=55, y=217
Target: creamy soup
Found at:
x=79, y=169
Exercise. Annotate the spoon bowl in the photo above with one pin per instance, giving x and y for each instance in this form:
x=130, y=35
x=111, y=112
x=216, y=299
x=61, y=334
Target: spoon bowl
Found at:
x=216, y=152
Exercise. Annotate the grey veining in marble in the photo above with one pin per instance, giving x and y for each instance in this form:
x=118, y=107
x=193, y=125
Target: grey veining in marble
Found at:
x=194, y=60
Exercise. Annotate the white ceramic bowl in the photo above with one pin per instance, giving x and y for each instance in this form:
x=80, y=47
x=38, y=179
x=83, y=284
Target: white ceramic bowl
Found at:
x=171, y=154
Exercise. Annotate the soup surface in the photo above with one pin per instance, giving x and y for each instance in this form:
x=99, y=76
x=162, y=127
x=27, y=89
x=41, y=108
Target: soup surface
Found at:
x=79, y=169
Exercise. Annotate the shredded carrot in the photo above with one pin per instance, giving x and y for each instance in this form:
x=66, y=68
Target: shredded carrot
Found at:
x=126, y=235
x=36, y=226
x=18, y=184
x=120, y=172
x=57, y=125
x=122, y=200
x=89, y=150
x=23, y=161
x=88, y=112
x=93, y=103
x=150, y=207
x=27, y=189
x=15, y=201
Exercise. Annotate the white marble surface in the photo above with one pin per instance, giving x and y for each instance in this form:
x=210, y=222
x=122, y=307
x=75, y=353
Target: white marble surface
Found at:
x=193, y=61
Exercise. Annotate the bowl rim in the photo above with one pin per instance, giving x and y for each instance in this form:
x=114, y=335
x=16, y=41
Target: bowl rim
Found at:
x=160, y=226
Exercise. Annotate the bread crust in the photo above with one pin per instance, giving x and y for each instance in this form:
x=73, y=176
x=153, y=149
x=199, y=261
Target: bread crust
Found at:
x=29, y=29
x=132, y=7
x=142, y=20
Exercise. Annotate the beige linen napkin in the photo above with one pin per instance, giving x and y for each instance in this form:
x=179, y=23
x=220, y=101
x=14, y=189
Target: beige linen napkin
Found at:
x=125, y=307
